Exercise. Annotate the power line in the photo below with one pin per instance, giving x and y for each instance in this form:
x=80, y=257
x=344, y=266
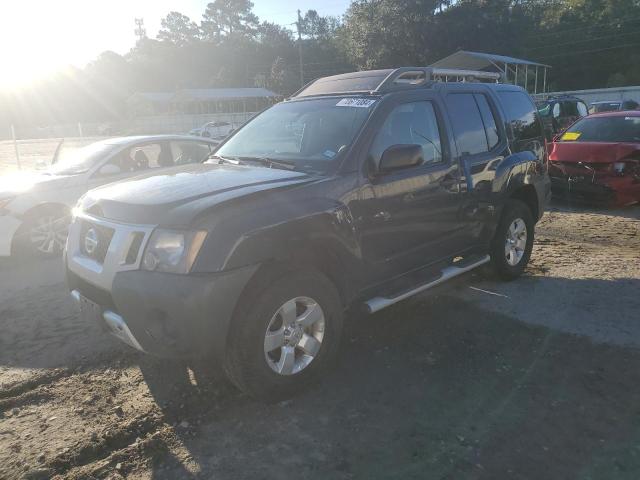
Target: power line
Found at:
x=555, y=45
x=570, y=54
x=561, y=30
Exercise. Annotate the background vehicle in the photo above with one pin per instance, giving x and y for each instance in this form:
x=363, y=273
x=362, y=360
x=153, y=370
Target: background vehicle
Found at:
x=35, y=207
x=363, y=189
x=557, y=113
x=598, y=159
x=217, y=130
x=606, y=106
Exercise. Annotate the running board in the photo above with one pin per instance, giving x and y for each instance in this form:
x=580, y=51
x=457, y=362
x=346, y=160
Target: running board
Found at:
x=378, y=303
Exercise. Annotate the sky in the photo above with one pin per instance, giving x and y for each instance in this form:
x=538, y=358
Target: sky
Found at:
x=41, y=36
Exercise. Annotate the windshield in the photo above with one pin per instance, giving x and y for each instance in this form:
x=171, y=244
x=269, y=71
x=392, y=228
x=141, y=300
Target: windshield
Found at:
x=82, y=159
x=604, y=129
x=605, y=107
x=312, y=134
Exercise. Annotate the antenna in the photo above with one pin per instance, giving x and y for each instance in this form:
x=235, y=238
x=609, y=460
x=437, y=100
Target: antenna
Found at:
x=140, y=31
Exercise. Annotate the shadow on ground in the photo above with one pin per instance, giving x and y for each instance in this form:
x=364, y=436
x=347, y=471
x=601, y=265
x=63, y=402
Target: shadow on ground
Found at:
x=432, y=388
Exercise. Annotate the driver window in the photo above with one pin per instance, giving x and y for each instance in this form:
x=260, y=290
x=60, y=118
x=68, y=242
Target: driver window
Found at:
x=410, y=124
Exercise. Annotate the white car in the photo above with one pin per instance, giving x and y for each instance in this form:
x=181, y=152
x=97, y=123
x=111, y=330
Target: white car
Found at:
x=35, y=207
x=217, y=130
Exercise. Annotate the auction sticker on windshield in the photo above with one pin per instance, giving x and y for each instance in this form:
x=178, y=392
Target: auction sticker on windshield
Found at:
x=355, y=102
x=571, y=136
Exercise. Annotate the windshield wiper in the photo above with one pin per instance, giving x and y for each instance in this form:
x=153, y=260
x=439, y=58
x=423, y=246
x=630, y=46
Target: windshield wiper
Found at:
x=270, y=163
x=221, y=160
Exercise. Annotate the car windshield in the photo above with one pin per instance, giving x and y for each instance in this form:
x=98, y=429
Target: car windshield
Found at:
x=604, y=129
x=81, y=160
x=605, y=107
x=311, y=134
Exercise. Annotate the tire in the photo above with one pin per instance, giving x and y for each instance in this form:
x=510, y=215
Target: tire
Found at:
x=510, y=252
x=43, y=234
x=275, y=368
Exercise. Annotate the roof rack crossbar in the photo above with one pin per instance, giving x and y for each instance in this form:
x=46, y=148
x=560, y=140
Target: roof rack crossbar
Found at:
x=416, y=76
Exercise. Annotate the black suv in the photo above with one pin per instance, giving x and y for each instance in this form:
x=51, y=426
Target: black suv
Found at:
x=361, y=190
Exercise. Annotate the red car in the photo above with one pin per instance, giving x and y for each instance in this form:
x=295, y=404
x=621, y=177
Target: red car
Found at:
x=597, y=159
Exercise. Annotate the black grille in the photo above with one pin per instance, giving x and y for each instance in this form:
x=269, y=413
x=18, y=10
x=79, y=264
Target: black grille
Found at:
x=95, y=240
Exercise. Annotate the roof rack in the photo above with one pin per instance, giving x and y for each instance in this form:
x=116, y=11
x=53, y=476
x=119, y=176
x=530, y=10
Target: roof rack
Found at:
x=383, y=81
x=416, y=76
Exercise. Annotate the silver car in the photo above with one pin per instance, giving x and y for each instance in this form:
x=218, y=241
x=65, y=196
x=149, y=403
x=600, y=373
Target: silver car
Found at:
x=35, y=207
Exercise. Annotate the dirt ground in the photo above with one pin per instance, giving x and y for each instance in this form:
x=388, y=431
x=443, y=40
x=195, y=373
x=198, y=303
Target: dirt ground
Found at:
x=534, y=379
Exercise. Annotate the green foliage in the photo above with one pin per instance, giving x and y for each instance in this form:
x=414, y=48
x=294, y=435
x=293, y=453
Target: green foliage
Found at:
x=178, y=29
x=228, y=18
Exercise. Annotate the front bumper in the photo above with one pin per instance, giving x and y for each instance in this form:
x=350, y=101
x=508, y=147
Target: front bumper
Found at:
x=167, y=315
x=612, y=191
x=9, y=225
x=160, y=313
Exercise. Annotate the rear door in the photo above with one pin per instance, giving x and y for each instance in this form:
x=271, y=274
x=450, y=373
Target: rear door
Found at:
x=481, y=145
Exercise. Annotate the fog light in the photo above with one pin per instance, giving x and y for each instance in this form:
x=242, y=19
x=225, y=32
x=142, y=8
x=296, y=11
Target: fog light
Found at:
x=150, y=261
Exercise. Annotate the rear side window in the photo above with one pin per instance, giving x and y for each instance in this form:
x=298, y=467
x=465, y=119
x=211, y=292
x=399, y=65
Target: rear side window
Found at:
x=521, y=115
x=489, y=120
x=189, y=152
x=467, y=123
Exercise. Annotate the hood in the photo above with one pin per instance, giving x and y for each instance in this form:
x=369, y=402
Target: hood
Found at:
x=24, y=182
x=175, y=195
x=591, y=152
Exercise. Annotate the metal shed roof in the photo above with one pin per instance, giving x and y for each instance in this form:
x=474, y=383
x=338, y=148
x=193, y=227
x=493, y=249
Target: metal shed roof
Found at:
x=465, y=59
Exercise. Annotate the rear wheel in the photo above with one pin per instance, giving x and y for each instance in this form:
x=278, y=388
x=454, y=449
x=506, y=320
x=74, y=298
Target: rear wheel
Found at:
x=513, y=241
x=285, y=334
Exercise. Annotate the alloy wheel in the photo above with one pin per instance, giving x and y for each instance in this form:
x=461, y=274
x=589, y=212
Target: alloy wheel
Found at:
x=516, y=242
x=294, y=336
x=49, y=234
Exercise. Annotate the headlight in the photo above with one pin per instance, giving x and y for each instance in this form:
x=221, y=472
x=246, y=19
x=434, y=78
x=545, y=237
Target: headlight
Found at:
x=172, y=251
x=619, y=167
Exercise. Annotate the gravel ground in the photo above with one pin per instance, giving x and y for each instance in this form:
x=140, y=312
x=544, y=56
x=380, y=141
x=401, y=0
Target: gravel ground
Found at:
x=538, y=378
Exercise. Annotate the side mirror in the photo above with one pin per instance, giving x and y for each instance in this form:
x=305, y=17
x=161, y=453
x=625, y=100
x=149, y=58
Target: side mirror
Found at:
x=398, y=157
x=109, y=169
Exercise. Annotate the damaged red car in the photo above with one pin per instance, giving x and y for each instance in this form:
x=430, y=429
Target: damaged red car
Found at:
x=597, y=159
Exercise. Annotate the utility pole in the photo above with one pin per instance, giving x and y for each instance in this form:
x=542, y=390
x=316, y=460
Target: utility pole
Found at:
x=300, y=48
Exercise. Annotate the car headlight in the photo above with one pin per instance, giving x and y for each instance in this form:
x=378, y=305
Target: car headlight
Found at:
x=618, y=167
x=172, y=251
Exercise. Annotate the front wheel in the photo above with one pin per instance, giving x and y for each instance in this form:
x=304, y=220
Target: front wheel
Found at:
x=44, y=234
x=513, y=240
x=284, y=335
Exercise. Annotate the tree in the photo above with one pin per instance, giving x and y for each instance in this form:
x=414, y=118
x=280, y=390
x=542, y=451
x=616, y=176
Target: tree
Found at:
x=385, y=33
x=178, y=29
x=318, y=27
x=226, y=18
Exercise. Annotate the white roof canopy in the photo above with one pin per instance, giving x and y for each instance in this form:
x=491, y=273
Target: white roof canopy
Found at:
x=516, y=70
